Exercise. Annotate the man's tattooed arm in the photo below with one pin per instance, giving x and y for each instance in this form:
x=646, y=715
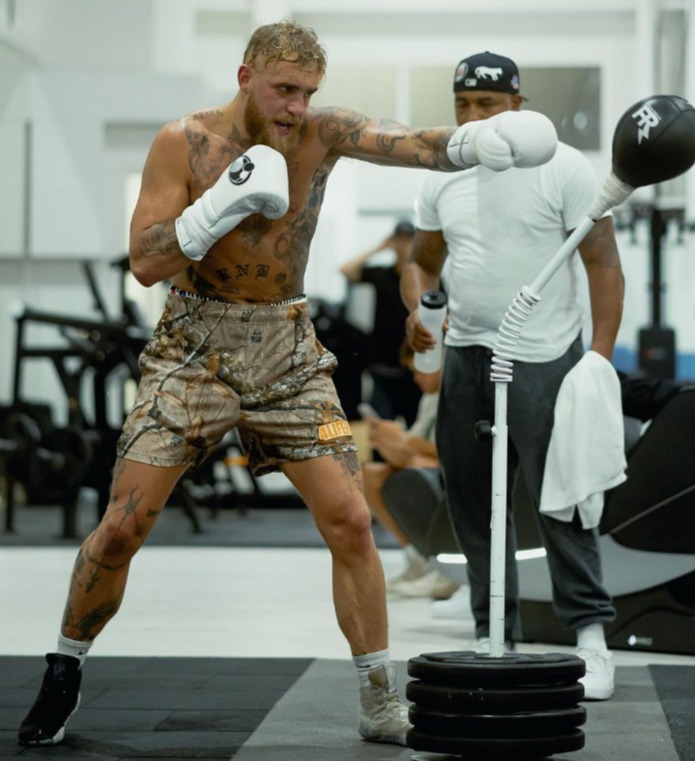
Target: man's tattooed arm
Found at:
x=160, y=240
x=381, y=141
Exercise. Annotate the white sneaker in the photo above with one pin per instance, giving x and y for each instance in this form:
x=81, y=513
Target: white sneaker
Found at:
x=416, y=566
x=433, y=585
x=457, y=607
x=599, y=680
x=383, y=718
x=482, y=646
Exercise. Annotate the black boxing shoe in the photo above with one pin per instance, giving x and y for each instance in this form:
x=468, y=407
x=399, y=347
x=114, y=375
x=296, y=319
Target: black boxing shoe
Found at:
x=58, y=699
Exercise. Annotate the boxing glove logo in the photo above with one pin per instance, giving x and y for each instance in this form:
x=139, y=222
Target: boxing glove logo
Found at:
x=240, y=170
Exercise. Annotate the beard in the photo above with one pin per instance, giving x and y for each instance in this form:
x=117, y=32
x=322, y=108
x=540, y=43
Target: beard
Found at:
x=260, y=130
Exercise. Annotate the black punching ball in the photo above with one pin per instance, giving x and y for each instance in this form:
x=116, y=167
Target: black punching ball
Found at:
x=654, y=140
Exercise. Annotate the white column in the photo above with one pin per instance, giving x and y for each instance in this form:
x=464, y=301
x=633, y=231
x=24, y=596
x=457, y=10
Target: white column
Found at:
x=645, y=63
x=646, y=20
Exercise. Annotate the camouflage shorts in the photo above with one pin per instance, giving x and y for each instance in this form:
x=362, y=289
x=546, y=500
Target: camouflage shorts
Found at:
x=212, y=366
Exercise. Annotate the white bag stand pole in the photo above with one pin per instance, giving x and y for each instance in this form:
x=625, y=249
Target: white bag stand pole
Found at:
x=639, y=159
x=507, y=338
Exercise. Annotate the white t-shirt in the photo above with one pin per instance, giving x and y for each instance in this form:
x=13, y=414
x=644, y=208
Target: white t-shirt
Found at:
x=501, y=228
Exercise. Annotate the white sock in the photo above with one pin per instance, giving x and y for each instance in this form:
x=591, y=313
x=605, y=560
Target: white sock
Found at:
x=365, y=663
x=592, y=637
x=72, y=647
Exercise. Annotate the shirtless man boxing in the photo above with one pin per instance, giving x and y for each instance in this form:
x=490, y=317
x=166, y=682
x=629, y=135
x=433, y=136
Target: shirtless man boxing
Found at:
x=229, y=203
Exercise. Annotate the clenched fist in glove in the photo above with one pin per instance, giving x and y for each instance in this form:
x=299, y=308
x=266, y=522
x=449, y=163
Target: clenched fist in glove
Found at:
x=256, y=182
x=511, y=138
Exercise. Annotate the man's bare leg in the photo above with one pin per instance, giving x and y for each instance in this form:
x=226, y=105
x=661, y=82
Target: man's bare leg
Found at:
x=332, y=488
x=138, y=494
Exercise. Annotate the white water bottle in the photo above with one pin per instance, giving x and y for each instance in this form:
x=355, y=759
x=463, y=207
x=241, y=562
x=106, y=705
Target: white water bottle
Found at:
x=432, y=312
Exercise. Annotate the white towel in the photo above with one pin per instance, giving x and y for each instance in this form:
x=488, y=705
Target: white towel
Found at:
x=586, y=455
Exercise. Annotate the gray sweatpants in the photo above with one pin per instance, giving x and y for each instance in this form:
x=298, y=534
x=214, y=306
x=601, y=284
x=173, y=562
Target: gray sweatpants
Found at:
x=467, y=395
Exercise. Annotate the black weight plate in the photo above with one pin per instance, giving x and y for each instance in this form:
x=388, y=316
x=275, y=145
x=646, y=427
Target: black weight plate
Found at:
x=466, y=668
x=495, y=747
x=518, y=724
x=493, y=700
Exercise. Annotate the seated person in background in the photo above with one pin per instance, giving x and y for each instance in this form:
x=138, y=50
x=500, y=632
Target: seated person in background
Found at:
x=407, y=448
x=394, y=394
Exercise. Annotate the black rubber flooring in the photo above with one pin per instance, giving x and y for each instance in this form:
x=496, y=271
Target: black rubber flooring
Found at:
x=151, y=708
x=285, y=709
x=675, y=686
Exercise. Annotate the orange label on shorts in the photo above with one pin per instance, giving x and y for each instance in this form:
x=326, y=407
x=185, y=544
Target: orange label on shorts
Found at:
x=334, y=430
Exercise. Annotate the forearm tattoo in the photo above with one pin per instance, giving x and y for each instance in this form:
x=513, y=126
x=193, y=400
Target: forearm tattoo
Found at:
x=160, y=240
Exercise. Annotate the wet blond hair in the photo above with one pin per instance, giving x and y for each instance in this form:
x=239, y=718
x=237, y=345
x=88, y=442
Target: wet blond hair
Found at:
x=285, y=41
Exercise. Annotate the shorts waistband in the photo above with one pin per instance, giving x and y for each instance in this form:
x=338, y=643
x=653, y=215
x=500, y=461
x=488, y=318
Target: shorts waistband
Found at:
x=300, y=299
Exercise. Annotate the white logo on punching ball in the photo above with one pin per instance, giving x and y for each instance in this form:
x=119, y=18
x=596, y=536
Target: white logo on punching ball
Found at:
x=487, y=72
x=241, y=170
x=646, y=118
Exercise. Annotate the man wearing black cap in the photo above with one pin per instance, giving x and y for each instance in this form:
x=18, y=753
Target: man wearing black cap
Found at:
x=499, y=229
x=394, y=392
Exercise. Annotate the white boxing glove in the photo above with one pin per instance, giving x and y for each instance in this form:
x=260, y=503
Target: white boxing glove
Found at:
x=511, y=138
x=256, y=182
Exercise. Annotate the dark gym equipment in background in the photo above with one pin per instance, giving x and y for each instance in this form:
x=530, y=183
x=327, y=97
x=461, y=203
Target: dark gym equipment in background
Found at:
x=647, y=546
x=656, y=342
x=93, y=359
x=347, y=342
x=90, y=351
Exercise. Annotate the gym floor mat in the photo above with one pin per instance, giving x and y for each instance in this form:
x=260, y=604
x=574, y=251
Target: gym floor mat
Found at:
x=675, y=686
x=293, y=709
x=166, y=708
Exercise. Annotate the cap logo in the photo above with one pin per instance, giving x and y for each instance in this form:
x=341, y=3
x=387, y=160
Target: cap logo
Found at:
x=486, y=72
x=461, y=71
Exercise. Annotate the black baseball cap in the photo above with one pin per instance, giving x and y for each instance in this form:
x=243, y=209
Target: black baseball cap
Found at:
x=487, y=71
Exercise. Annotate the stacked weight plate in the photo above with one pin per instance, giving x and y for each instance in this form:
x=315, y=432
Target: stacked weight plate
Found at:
x=517, y=706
